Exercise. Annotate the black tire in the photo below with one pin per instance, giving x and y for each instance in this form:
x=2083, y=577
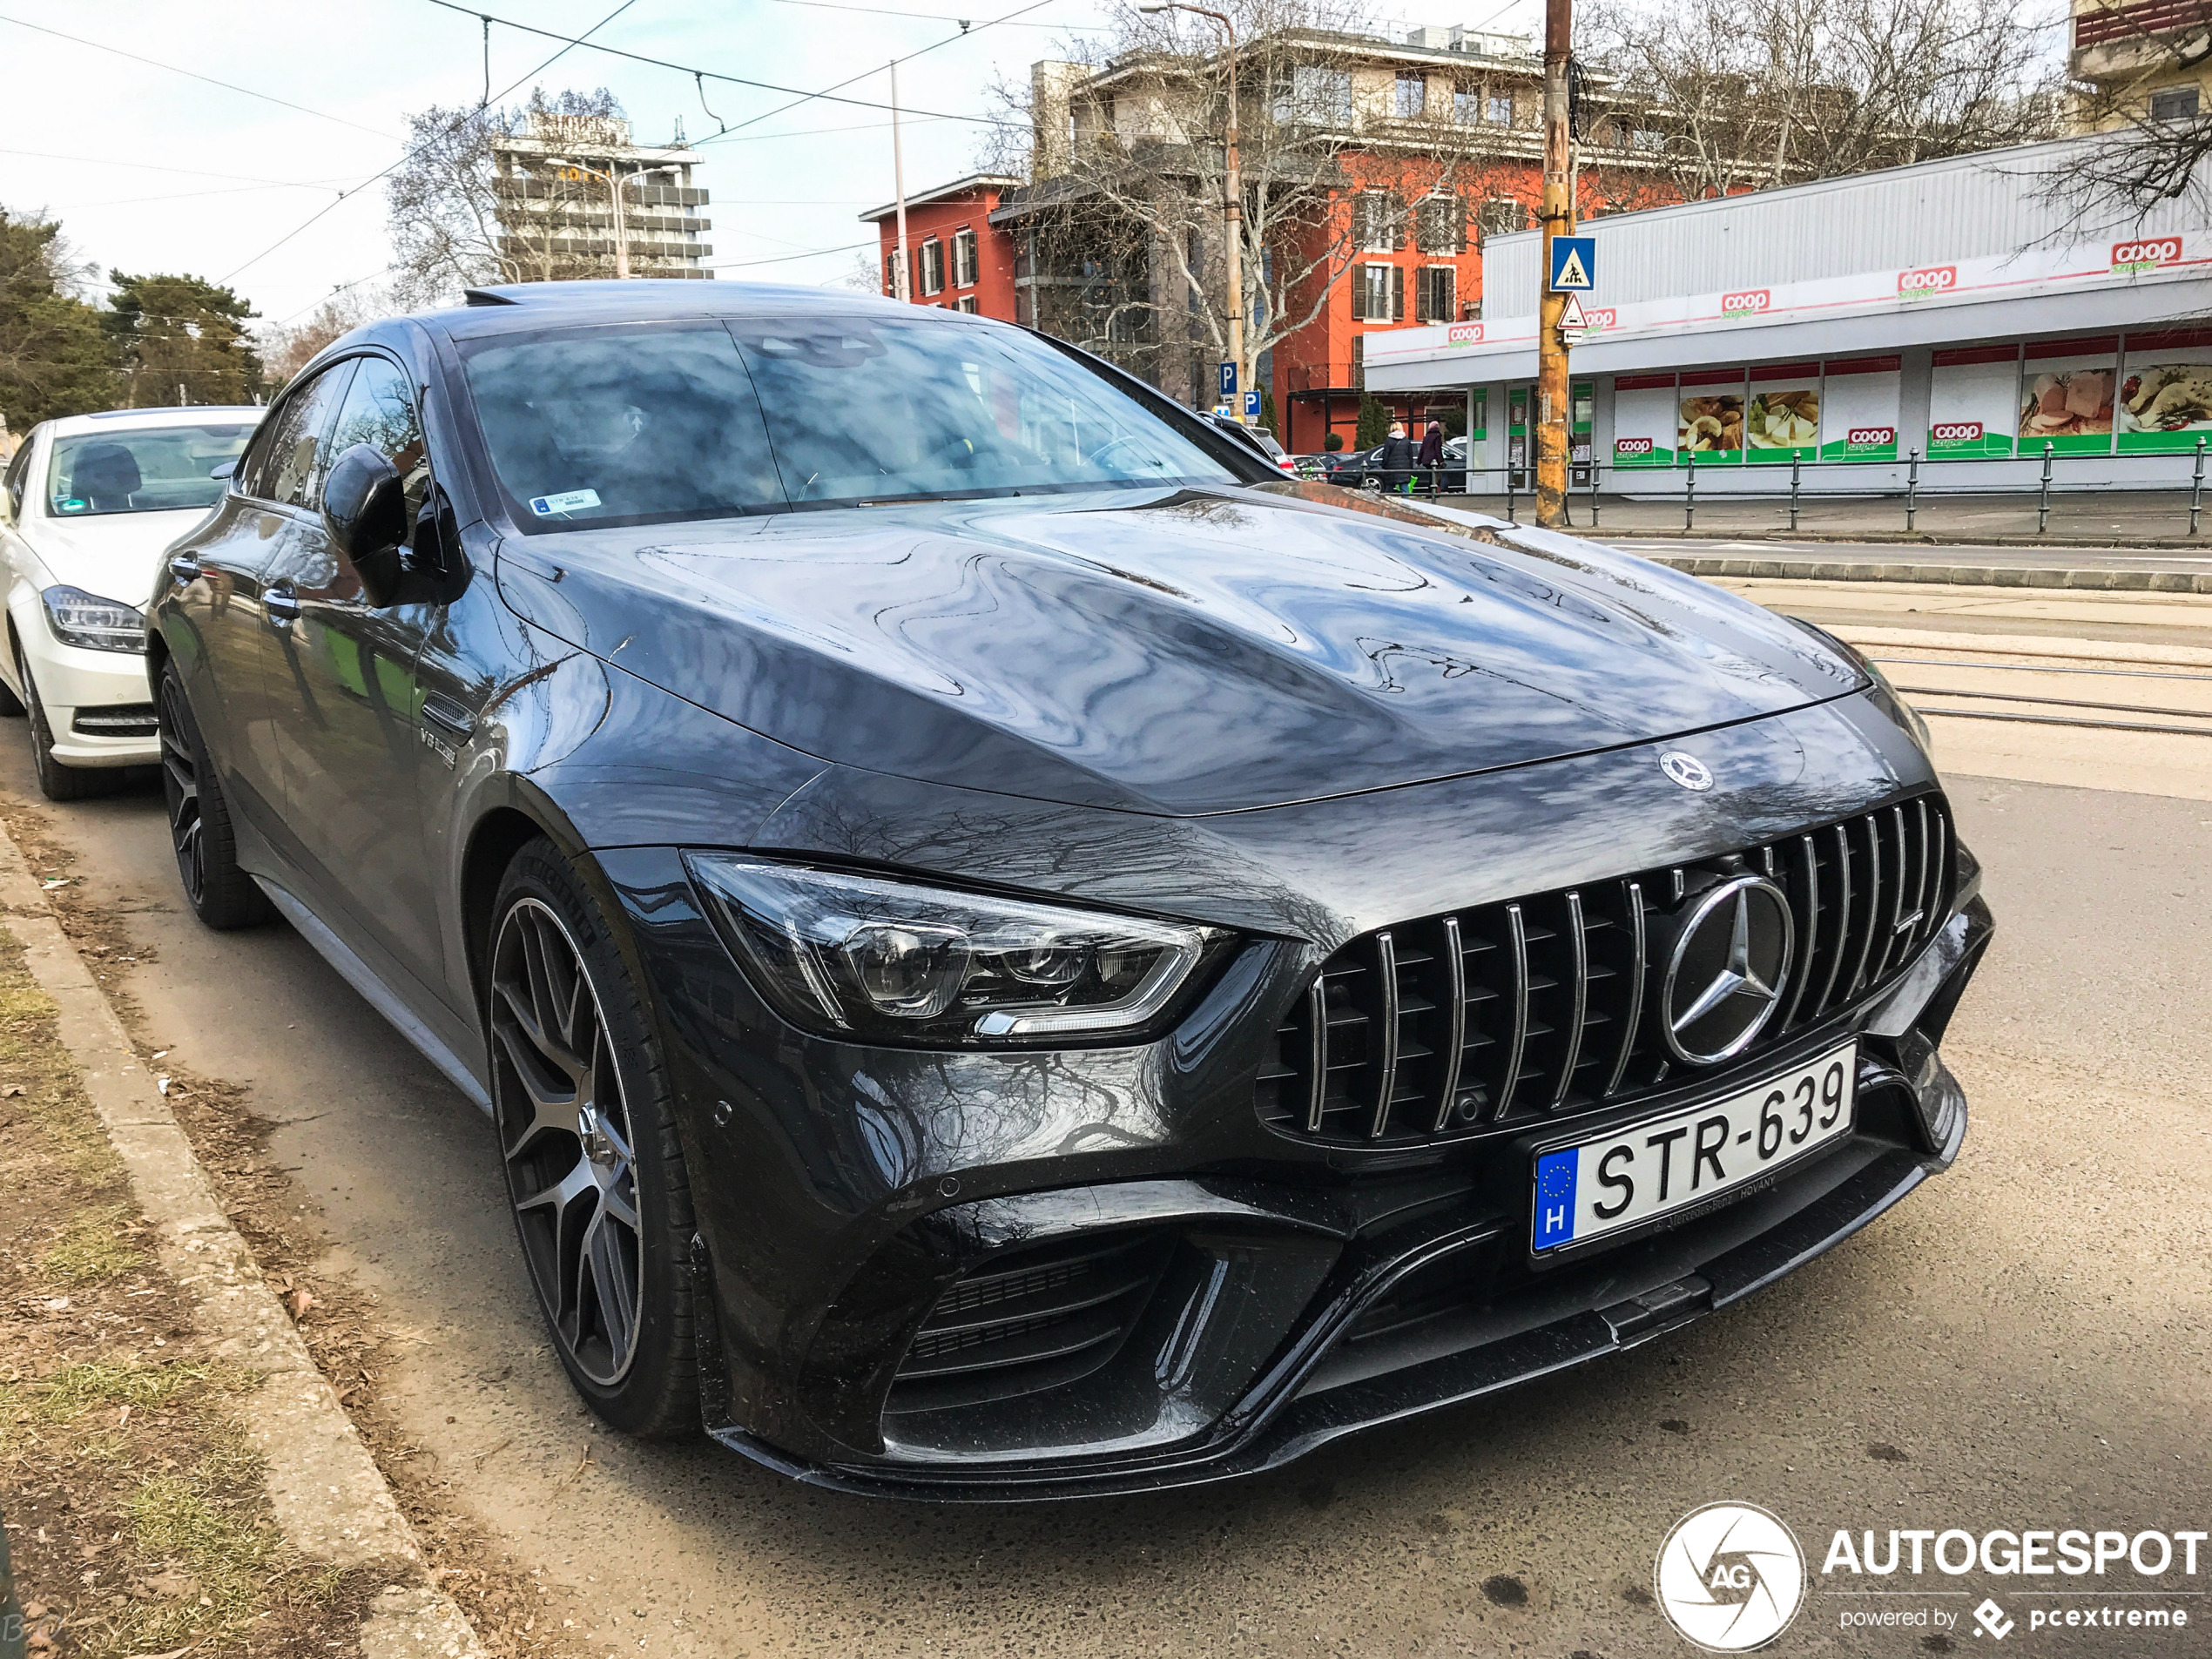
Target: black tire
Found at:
x=221, y=894
x=57, y=780
x=587, y=1138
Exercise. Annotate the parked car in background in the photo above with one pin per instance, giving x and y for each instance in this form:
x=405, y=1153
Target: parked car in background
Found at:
x=90, y=504
x=1011, y=949
x=1257, y=437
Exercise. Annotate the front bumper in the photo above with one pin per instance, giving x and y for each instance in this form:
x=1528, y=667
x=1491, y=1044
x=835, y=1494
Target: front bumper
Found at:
x=1296, y=1295
x=95, y=701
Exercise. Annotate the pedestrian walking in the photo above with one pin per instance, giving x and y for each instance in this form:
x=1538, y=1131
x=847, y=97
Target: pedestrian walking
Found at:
x=1398, y=457
x=1431, y=455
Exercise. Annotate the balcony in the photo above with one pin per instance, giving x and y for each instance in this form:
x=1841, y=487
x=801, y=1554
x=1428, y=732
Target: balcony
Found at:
x=2112, y=39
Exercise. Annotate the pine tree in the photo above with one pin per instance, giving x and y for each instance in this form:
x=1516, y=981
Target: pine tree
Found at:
x=175, y=332
x=54, y=359
x=1374, y=423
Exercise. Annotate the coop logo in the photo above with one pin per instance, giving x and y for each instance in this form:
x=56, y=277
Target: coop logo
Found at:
x=1748, y=303
x=1955, y=432
x=2148, y=254
x=1929, y=278
x=1870, y=437
x=1463, y=333
x=1729, y=1577
x=1632, y=446
x=1596, y=321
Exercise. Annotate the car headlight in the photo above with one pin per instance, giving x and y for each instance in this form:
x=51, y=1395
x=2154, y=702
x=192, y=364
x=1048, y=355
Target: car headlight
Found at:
x=872, y=960
x=80, y=619
x=1908, y=715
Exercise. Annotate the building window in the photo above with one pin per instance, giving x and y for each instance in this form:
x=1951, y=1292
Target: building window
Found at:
x=964, y=259
x=967, y=303
x=891, y=273
x=1646, y=139
x=2174, y=103
x=1438, y=299
x=1467, y=105
x=933, y=266
x=1377, y=222
x=1501, y=216
x=1316, y=97
x=1440, y=224
x=1378, y=294
x=1499, y=112
x=1413, y=95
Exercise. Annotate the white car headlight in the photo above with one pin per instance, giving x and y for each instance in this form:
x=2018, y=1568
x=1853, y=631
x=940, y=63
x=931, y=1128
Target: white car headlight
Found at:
x=867, y=959
x=80, y=619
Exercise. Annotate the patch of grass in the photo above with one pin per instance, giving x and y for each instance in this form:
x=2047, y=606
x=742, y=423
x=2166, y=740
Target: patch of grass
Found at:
x=94, y=1247
x=189, y=1522
x=26, y=1407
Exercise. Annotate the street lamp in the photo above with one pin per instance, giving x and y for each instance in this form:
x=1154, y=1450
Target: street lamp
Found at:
x=615, y=182
x=1232, y=208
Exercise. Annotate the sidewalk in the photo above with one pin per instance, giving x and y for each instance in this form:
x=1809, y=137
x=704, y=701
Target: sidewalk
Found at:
x=2088, y=518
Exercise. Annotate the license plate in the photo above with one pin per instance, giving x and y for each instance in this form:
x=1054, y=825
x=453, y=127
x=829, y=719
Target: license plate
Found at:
x=1654, y=1168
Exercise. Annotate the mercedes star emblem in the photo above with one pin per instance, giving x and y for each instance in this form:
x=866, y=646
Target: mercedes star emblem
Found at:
x=1725, y=975
x=1687, y=770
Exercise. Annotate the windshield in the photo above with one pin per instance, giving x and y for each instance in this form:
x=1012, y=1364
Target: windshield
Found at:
x=149, y=469
x=643, y=423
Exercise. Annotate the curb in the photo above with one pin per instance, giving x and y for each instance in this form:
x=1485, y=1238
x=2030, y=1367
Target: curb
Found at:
x=1962, y=576
x=330, y=1499
x=1908, y=538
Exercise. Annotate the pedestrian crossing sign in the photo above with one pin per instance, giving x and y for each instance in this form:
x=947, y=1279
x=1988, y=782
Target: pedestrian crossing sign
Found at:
x=1573, y=263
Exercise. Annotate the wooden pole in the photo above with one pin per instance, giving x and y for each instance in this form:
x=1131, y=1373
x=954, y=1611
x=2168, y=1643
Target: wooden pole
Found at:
x=1552, y=411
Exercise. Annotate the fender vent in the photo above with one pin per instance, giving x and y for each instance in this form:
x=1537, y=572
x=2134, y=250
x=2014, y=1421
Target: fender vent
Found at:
x=1028, y=1320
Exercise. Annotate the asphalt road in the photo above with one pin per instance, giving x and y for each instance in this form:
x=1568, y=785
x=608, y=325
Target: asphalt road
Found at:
x=2022, y=1343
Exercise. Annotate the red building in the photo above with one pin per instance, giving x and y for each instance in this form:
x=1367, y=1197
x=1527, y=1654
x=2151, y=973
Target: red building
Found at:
x=960, y=261
x=1422, y=148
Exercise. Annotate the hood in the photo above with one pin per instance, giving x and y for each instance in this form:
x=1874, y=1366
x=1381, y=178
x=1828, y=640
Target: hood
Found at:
x=111, y=555
x=1177, y=653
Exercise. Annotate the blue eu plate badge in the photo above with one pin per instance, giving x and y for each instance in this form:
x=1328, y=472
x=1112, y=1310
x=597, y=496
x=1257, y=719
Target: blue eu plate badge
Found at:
x=1555, y=1173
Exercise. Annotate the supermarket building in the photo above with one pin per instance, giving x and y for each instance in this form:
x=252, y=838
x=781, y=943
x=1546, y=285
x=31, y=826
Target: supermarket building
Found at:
x=1955, y=309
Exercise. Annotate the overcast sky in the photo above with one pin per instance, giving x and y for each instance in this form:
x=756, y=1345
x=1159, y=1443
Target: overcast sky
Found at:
x=150, y=170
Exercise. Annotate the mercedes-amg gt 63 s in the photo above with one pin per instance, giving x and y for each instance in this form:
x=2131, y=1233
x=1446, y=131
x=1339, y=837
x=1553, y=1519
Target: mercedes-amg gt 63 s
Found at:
x=1011, y=950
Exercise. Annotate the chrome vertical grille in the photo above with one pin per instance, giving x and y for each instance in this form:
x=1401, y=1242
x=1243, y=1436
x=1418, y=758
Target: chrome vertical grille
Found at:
x=1542, y=1005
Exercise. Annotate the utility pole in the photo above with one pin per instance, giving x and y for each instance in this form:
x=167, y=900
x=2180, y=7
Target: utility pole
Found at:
x=1552, y=411
x=1232, y=205
x=899, y=183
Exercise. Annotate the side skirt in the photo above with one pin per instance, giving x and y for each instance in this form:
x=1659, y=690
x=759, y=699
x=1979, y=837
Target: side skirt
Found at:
x=358, y=974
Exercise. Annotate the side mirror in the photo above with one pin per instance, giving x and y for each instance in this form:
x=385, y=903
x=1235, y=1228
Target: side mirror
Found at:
x=364, y=508
x=222, y=469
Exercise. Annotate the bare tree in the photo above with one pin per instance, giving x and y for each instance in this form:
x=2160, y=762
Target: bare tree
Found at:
x=2143, y=86
x=455, y=221
x=1736, y=96
x=285, y=348
x=1124, y=229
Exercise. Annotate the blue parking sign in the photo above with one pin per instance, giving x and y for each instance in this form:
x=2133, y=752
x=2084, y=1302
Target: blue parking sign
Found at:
x=1252, y=406
x=1573, y=263
x=1229, y=379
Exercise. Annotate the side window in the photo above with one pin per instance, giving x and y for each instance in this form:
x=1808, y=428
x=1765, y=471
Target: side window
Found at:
x=287, y=469
x=19, y=469
x=379, y=411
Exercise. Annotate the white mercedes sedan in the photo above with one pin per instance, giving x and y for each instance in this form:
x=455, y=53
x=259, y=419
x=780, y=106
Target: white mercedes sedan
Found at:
x=90, y=504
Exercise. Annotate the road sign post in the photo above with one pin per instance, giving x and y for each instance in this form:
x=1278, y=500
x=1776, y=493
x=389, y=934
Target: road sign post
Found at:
x=1558, y=212
x=1252, y=406
x=1228, y=382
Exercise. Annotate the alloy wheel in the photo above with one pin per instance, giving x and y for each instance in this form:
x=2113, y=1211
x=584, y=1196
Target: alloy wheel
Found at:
x=566, y=1136
x=180, y=789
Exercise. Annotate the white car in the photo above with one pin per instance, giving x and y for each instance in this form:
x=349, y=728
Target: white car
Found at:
x=90, y=504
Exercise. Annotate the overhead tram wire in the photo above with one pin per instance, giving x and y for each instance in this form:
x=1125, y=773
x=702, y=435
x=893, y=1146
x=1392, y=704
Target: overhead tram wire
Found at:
x=228, y=86
x=799, y=95
x=409, y=155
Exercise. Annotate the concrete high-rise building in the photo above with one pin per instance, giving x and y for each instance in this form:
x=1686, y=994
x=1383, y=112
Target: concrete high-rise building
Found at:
x=578, y=198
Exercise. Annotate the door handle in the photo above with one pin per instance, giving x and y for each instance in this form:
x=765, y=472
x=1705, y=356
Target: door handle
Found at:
x=185, y=567
x=281, y=603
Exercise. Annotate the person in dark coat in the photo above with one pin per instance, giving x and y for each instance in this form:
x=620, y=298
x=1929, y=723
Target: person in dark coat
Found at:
x=1396, y=461
x=1431, y=455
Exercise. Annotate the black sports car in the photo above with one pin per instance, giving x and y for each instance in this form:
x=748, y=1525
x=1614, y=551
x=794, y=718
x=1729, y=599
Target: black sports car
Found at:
x=1012, y=950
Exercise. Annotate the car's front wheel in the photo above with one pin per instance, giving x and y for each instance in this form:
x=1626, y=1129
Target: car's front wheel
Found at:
x=588, y=1139
x=221, y=894
x=57, y=780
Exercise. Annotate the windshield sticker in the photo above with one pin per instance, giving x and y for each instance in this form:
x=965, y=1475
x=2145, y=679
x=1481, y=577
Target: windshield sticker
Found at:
x=570, y=500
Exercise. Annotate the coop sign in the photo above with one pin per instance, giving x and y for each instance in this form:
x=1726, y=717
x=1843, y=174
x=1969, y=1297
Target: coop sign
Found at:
x=1463, y=333
x=2146, y=254
x=1952, y=432
x=1928, y=281
x=1632, y=446
x=1875, y=437
x=1748, y=302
